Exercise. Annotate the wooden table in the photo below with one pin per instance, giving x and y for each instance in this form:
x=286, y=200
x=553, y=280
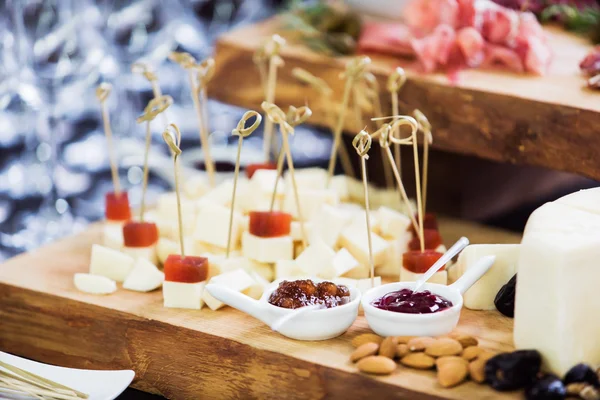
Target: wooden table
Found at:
x=549, y=121
x=184, y=354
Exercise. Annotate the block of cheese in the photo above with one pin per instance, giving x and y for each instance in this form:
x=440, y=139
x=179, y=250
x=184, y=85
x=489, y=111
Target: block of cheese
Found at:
x=148, y=253
x=260, y=285
x=183, y=295
x=296, y=230
x=341, y=184
x=359, y=221
x=365, y=284
x=267, y=250
x=110, y=263
x=212, y=226
x=166, y=207
x=311, y=201
x=586, y=200
x=559, y=217
x=166, y=246
x=196, y=186
x=144, y=277
x=328, y=224
x=308, y=178
x=343, y=262
x=392, y=224
x=94, y=284
x=350, y=209
x=317, y=260
x=220, y=264
x=112, y=234
x=482, y=294
x=397, y=247
x=238, y=280
x=261, y=190
x=440, y=277
x=286, y=269
x=361, y=271
x=355, y=240
x=557, y=303
x=169, y=228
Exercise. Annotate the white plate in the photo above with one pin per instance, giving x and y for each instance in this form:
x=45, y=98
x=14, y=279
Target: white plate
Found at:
x=99, y=385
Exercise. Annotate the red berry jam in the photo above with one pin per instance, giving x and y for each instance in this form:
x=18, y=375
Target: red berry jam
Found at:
x=408, y=302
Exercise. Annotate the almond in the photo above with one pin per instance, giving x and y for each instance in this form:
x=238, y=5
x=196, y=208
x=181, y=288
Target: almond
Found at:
x=444, y=347
x=420, y=343
x=465, y=340
x=451, y=371
x=418, y=361
x=366, y=338
x=402, y=350
x=388, y=347
x=367, y=349
x=378, y=365
x=472, y=352
x=477, y=367
x=405, y=339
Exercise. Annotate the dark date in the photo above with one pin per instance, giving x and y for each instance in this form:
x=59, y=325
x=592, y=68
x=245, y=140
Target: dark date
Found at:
x=304, y=292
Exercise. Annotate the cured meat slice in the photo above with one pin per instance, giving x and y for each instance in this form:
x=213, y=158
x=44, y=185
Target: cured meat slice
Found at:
x=499, y=55
x=591, y=63
x=436, y=48
x=472, y=46
x=387, y=38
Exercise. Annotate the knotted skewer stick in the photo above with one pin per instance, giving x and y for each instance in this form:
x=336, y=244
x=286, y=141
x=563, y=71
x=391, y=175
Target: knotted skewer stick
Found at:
x=395, y=82
x=425, y=127
x=146, y=71
x=172, y=136
x=102, y=92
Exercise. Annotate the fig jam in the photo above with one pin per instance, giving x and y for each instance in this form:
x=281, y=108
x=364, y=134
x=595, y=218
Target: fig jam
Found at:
x=304, y=292
x=408, y=302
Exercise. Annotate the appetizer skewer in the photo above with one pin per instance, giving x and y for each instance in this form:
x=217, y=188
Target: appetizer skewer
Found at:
x=425, y=127
x=147, y=72
x=395, y=82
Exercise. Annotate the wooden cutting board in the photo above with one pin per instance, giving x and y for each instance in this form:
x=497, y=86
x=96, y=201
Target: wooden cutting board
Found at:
x=548, y=121
x=183, y=354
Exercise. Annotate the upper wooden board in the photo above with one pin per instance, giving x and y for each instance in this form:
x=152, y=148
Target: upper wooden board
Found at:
x=549, y=121
x=183, y=354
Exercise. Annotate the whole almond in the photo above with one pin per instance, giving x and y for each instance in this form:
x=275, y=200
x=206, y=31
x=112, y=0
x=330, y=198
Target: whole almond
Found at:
x=452, y=371
x=472, y=352
x=477, y=370
x=402, y=350
x=420, y=343
x=405, y=339
x=465, y=340
x=366, y=338
x=444, y=347
x=450, y=359
x=418, y=361
x=377, y=365
x=367, y=349
x=388, y=347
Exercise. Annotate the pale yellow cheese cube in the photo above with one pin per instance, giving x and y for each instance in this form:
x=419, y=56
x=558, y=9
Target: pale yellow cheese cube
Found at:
x=112, y=234
x=267, y=250
x=317, y=260
x=356, y=242
x=237, y=280
x=328, y=224
x=311, y=201
x=392, y=223
x=212, y=226
x=110, y=263
x=183, y=295
x=286, y=269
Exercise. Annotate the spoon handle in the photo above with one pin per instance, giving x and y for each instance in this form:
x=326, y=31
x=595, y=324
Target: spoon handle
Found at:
x=454, y=250
x=278, y=324
x=473, y=274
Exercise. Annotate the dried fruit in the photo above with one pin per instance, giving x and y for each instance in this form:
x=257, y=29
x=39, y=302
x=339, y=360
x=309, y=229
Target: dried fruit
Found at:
x=477, y=367
x=420, y=343
x=465, y=340
x=471, y=353
x=388, y=347
x=582, y=373
x=505, y=299
x=402, y=350
x=451, y=371
x=405, y=339
x=444, y=347
x=546, y=388
x=418, y=361
x=377, y=365
x=367, y=349
x=510, y=371
x=366, y=338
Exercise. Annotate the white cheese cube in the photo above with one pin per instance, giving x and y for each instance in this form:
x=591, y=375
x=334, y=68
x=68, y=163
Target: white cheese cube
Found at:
x=585, y=200
x=308, y=178
x=237, y=280
x=148, y=253
x=346, y=186
x=557, y=304
x=263, y=181
x=440, y=277
x=94, y=284
x=360, y=272
x=144, y=277
x=169, y=228
x=359, y=221
x=558, y=217
x=261, y=284
x=112, y=234
x=166, y=247
x=212, y=226
x=365, y=284
x=286, y=269
x=454, y=273
x=183, y=295
x=196, y=186
x=482, y=294
x=311, y=202
x=350, y=209
x=166, y=207
x=219, y=264
x=392, y=223
x=328, y=225
x=393, y=262
x=317, y=260
x=110, y=263
x=356, y=242
x=267, y=250
x=343, y=262
x=296, y=230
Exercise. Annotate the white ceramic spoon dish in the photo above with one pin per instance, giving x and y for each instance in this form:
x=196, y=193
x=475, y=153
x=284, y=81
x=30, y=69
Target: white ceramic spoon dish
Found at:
x=320, y=324
x=388, y=323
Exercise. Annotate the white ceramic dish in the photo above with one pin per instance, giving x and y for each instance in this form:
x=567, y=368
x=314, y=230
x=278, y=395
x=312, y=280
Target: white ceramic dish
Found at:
x=389, y=323
x=99, y=385
x=320, y=324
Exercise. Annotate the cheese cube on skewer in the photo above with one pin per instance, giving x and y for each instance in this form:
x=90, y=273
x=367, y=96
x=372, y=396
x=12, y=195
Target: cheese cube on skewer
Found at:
x=166, y=207
x=144, y=277
x=166, y=246
x=267, y=250
x=356, y=242
x=94, y=284
x=261, y=190
x=183, y=295
x=359, y=221
x=212, y=226
x=328, y=224
x=237, y=280
x=317, y=260
x=110, y=263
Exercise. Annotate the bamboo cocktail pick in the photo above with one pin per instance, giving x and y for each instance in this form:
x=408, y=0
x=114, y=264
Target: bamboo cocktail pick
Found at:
x=155, y=106
x=173, y=140
x=241, y=132
x=362, y=144
x=396, y=80
x=276, y=115
x=271, y=50
x=147, y=72
x=425, y=127
x=102, y=92
x=198, y=75
x=354, y=70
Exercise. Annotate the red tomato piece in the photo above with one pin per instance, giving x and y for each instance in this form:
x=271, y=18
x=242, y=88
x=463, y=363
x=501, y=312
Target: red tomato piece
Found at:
x=188, y=269
x=270, y=223
x=140, y=234
x=431, y=237
x=418, y=262
x=252, y=168
x=117, y=207
x=429, y=222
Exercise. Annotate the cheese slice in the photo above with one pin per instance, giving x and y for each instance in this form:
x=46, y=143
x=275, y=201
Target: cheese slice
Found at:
x=149, y=253
x=110, y=263
x=267, y=250
x=112, y=234
x=94, y=284
x=144, y=277
x=482, y=294
x=355, y=240
x=585, y=200
x=328, y=225
x=392, y=223
x=286, y=269
x=212, y=226
x=440, y=277
x=183, y=295
x=237, y=280
x=317, y=260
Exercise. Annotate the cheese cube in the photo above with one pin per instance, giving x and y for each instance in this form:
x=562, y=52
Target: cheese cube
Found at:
x=317, y=260
x=311, y=202
x=237, y=280
x=359, y=221
x=144, y=277
x=148, y=253
x=212, y=226
x=349, y=282
x=165, y=247
x=350, y=209
x=183, y=295
x=558, y=217
x=169, y=228
x=261, y=284
x=219, y=264
x=584, y=200
x=286, y=269
x=454, y=273
x=482, y=294
x=308, y=178
x=196, y=186
x=328, y=224
x=365, y=284
x=112, y=234
x=346, y=187
x=267, y=250
x=392, y=224
x=440, y=277
x=94, y=284
x=296, y=230
x=166, y=207
x=110, y=263
x=557, y=298
x=343, y=262
x=356, y=242
x=393, y=262
x=361, y=271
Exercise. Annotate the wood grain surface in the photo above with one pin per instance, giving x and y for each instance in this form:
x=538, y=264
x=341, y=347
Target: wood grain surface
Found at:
x=548, y=121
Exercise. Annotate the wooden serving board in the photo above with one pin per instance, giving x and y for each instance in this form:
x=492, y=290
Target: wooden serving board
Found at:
x=548, y=121
x=183, y=354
